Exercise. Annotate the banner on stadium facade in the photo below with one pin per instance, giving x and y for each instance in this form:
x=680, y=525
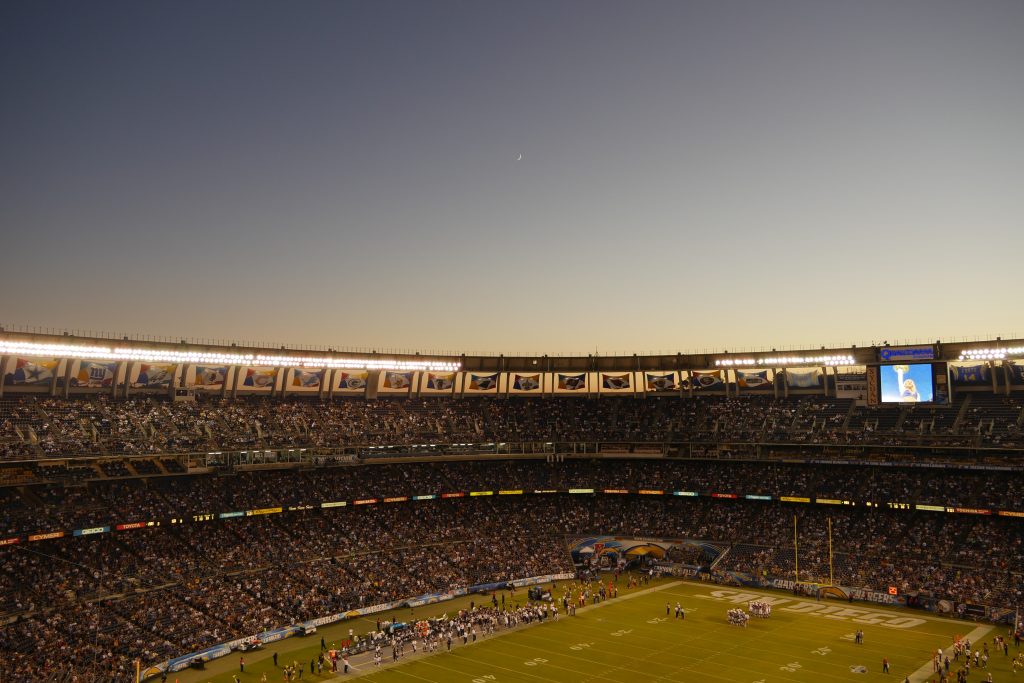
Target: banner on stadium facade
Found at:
x=182, y=663
x=660, y=381
x=753, y=379
x=966, y=375
x=260, y=378
x=572, y=382
x=210, y=377
x=527, y=383
x=32, y=371
x=1016, y=370
x=352, y=381
x=705, y=380
x=93, y=374
x=431, y=598
x=596, y=546
x=893, y=354
x=397, y=381
x=307, y=379
x=803, y=379
x=440, y=381
x=616, y=382
x=843, y=593
x=482, y=383
x=548, y=578
x=155, y=375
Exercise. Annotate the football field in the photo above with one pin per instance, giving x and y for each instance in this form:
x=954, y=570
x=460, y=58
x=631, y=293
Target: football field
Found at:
x=632, y=638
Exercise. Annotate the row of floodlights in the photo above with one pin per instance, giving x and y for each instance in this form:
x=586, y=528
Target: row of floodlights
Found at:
x=785, y=360
x=990, y=354
x=193, y=357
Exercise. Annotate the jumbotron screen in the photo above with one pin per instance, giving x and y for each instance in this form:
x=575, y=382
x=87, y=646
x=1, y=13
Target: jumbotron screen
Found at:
x=907, y=383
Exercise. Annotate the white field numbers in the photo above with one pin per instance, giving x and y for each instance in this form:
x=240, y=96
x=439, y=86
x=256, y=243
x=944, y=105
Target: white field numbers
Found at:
x=536, y=661
x=580, y=646
x=484, y=679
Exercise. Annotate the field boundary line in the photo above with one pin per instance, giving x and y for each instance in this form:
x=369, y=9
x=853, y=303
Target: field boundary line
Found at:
x=516, y=629
x=926, y=671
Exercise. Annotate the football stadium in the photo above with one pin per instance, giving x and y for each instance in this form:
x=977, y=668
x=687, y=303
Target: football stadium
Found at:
x=197, y=513
x=511, y=341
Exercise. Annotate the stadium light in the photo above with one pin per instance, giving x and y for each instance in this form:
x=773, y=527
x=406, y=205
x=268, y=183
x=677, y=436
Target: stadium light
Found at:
x=990, y=354
x=193, y=357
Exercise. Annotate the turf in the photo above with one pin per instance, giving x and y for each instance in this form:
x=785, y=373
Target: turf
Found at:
x=630, y=638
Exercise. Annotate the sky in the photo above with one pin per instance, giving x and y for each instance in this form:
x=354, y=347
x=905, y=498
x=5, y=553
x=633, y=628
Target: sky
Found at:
x=720, y=174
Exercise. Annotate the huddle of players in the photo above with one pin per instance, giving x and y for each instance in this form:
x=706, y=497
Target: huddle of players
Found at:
x=761, y=609
x=737, y=617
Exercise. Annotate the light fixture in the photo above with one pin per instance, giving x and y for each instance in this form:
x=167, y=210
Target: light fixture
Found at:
x=192, y=357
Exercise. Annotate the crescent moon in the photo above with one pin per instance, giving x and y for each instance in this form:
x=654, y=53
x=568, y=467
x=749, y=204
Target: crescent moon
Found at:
x=519, y=158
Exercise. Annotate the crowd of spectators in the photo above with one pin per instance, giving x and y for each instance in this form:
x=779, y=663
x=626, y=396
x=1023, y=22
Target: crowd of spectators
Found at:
x=33, y=427
x=42, y=508
x=168, y=589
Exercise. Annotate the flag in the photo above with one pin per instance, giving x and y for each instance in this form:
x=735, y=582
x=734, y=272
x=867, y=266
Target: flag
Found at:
x=440, y=381
x=94, y=374
x=397, y=380
x=711, y=379
x=156, y=375
x=352, y=381
x=210, y=376
x=753, y=380
x=31, y=371
x=258, y=378
x=970, y=374
x=802, y=379
x=483, y=382
x=526, y=383
x=615, y=382
x=310, y=379
x=656, y=382
x=572, y=382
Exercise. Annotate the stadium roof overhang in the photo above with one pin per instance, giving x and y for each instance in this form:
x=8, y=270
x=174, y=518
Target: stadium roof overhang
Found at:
x=146, y=350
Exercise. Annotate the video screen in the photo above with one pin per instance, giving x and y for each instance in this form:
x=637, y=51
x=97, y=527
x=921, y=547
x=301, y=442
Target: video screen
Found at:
x=907, y=383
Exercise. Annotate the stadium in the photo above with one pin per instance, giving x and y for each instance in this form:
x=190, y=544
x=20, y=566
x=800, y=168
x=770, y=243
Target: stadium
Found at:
x=514, y=341
x=194, y=512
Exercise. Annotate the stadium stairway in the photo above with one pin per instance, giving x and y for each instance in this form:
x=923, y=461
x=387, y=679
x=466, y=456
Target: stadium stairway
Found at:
x=964, y=405
x=718, y=560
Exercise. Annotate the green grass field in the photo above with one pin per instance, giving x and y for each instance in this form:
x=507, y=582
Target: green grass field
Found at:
x=630, y=638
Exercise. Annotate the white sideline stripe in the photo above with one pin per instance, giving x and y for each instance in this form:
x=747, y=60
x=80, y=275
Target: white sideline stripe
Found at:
x=424, y=655
x=926, y=671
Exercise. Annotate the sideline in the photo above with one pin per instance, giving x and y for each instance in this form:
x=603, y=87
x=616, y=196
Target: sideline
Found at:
x=367, y=657
x=926, y=671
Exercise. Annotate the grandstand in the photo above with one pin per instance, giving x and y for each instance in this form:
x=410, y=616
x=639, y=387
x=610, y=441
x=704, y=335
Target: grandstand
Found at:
x=163, y=503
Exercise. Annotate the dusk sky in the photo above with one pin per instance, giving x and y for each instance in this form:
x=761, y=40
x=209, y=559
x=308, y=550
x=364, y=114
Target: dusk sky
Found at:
x=694, y=175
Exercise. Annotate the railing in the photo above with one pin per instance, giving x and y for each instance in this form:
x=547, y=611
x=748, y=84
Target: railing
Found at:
x=77, y=468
